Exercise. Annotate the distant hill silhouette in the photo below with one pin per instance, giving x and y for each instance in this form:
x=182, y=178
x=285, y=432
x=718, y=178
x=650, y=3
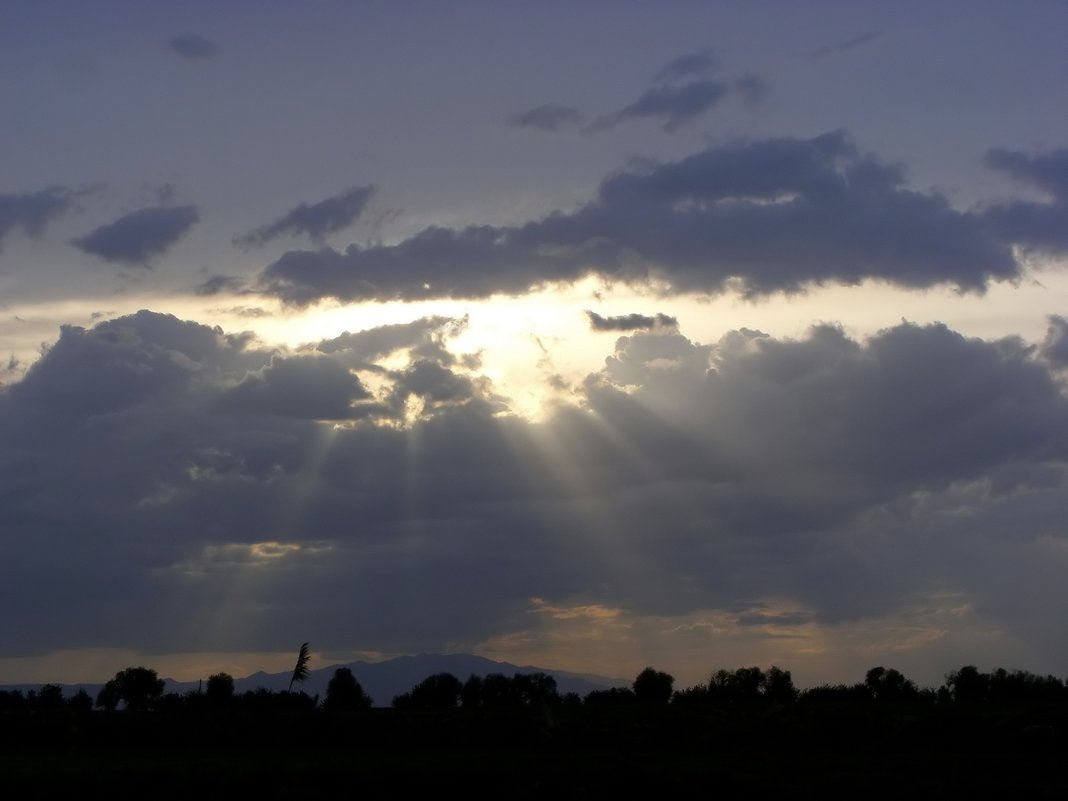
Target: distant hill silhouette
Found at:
x=381, y=680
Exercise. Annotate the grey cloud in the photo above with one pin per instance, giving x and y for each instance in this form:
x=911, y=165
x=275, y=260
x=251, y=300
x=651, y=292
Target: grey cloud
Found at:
x=762, y=619
x=674, y=106
x=219, y=283
x=433, y=383
x=548, y=117
x=425, y=336
x=33, y=211
x=1048, y=171
x=843, y=47
x=193, y=46
x=843, y=476
x=138, y=237
x=913, y=407
x=1041, y=226
x=691, y=64
x=254, y=312
x=752, y=88
x=770, y=215
x=642, y=358
x=10, y=370
x=1055, y=346
x=629, y=322
x=309, y=387
x=315, y=220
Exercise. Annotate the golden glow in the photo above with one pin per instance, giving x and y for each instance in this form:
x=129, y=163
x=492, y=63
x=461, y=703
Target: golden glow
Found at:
x=617, y=643
x=534, y=347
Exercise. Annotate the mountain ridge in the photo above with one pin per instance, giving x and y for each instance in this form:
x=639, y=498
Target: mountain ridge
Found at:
x=380, y=680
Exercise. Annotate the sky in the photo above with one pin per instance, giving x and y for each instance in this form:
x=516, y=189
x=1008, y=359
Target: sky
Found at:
x=587, y=335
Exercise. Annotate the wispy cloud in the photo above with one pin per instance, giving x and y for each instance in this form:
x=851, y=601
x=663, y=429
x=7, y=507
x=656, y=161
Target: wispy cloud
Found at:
x=33, y=211
x=843, y=47
x=629, y=322
x=138, y=237
x=193, y=46
x=314, y=220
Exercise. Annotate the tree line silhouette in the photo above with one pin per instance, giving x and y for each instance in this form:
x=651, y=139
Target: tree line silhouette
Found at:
x=139, y=689
x=978, y=732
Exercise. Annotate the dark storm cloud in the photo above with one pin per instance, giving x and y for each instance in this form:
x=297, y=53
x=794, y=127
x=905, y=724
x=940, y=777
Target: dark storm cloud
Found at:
x=1041, y=226
x=209, y=438
x=433, y=383
x=839, y=474
x=843, y=47
x=193, y=46
x=548, y=117
x=32, y=211
x=771, y=215
x=914, y=406
x=309, y=387
x=674, y=106
x=629, y=322
x=314, y=220
x=138, y=237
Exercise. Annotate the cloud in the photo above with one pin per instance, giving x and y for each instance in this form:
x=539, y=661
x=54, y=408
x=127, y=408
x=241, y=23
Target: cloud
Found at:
x=629, y=322
x=1055, y=346
x=752, y=88
x=843, y=47
x=425, y=338
x=193, y=46
x=33, y=211
x=1048, y=172
x=548, y=117
x=308, y=387
x=813, y=483
x=686, y=66
x=1036, y=226
x=314, y=220
x=675, y=106
x=436, y=385
x=254, y=312
x=681, y=92
x=219, y=283
x=138, y=237
x=762, y=216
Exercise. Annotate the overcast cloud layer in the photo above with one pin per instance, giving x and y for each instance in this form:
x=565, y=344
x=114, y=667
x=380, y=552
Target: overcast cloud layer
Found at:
x=586, y=336
x=154, y=467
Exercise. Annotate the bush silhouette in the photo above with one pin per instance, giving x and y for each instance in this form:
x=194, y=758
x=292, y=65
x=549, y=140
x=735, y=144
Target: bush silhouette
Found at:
x=440, y=691
x=653, y=686
x=220, y=689
x=344, y=693
x=139, y=688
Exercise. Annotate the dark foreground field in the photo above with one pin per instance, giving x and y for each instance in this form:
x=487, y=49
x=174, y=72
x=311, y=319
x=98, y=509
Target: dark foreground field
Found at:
x=577, y=752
